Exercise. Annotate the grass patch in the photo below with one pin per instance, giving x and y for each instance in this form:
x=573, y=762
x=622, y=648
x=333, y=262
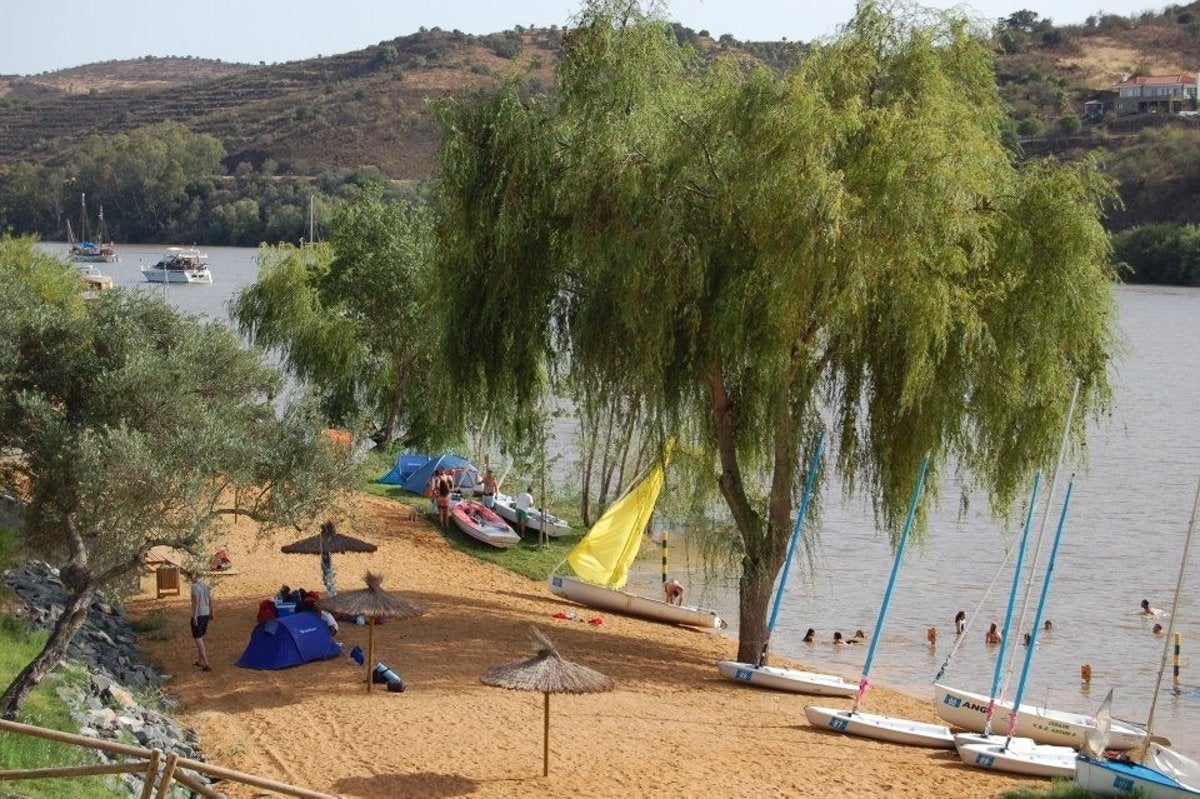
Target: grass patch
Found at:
x=1059, y=789
x=526, y=558
x=44, y=709
x=152, y=625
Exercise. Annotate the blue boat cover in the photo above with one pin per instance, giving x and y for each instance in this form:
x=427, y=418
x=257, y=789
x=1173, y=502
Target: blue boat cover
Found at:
x=406, y=464
x=289, y=641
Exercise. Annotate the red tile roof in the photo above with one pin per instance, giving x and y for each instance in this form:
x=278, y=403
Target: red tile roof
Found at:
x=1162, y=80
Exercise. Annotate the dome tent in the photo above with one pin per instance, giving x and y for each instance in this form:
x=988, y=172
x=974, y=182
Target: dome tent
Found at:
x=289, y=641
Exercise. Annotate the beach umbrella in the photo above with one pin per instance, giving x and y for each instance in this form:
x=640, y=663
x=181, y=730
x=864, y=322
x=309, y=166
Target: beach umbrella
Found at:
x=327, y=543
x=547, y=672
x=371, y=602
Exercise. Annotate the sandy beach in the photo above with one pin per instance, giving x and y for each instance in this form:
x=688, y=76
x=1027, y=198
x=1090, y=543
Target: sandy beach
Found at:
x=672, y=727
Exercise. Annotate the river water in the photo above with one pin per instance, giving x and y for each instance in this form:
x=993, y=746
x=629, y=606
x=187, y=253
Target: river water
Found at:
x=1122, y=541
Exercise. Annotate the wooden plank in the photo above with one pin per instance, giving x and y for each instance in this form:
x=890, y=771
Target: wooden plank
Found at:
x=130, y=766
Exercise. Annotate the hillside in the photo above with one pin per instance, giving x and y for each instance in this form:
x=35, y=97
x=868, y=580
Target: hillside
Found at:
x=368, y=107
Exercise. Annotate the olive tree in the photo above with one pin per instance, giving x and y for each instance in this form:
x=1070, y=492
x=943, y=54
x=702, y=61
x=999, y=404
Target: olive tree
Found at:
x=125, y=425
x=758, y=256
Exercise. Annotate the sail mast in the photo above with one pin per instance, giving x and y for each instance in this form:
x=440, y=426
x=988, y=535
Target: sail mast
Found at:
x=863, y=682
x=1037, y=617
x=1162, y=666
x=796, y=530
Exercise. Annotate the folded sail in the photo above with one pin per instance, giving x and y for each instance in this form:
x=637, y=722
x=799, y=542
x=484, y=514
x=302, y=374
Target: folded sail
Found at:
x=604, y=555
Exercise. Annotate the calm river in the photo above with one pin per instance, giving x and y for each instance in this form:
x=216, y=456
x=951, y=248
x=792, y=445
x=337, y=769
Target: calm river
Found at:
x=1122, y=542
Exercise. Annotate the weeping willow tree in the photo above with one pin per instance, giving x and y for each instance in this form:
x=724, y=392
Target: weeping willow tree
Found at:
x=351, y=317
x=848, y=246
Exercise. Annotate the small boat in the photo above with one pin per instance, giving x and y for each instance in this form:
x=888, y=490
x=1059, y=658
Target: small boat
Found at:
x=616, y=601
x=968, y=710
x=506, y=506
x=881, y=728
x=1163, y=774
x=179, y=265
x=479, y=522
x=793, y=680
x=1016, y=755
x=602, y=558
x=84, y=250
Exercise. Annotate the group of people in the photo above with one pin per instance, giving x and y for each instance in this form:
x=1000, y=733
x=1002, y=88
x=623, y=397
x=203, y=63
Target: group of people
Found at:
x=859, y=636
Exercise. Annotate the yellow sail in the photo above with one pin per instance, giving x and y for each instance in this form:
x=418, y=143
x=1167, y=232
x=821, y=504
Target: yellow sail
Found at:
x=604, y=555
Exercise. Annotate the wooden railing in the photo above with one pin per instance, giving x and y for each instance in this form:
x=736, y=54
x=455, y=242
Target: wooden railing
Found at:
x=145, y=762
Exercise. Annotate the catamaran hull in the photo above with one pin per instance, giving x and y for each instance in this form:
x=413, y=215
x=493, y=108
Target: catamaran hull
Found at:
x=881, y=728
x=775, y=679
x=595, y=596
x=1055, y=727
x=1020, y=756
x=1117, y=778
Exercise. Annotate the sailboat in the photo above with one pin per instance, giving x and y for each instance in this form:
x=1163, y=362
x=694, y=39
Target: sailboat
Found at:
x=1159, y=772
x=760, y=674
x=84, y=250
x=1010, y=753
x=602, y=558
x=870, y=725
x=979, y=712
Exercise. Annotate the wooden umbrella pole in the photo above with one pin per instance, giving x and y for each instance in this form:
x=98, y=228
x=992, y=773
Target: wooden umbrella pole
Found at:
x=546, y=736
x=370, y=653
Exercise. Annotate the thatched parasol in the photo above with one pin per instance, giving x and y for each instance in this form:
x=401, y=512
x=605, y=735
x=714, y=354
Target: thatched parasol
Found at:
x=547, y=672
x=371, y=601
x=326, y=543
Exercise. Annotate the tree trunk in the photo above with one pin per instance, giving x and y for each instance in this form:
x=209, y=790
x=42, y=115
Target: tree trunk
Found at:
x=72, y=620
x=754, y=597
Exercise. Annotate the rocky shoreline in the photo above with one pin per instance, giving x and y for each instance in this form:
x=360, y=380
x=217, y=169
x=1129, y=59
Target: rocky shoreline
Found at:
x=121, y=699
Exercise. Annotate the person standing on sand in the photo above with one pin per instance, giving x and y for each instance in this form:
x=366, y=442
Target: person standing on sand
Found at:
x=444, y=486
x=523, y=504
x=202, y=614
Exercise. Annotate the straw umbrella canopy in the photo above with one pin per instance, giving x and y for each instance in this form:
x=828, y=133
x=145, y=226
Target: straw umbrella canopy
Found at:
x=547, y=672
x=371, y=602
x=326, y=543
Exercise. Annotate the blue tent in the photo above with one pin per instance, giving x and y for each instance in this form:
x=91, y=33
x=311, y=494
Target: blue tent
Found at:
x=405, y=466
x=420, y=478
x=289, y=641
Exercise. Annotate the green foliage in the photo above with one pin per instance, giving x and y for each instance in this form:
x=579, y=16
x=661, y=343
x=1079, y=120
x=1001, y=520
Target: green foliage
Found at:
x=137, y=425
x=353, y=317
x=1069, y=124
x=745, y=254
x=45, y=709
x=1058, y=789
x=1164, y=253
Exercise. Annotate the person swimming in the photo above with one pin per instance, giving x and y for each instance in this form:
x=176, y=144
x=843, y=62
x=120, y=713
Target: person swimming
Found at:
x=837, y=638
x=1157, y=629
x=1150, y=610
x=992, y=636
x=810, y=636
x=960, y=622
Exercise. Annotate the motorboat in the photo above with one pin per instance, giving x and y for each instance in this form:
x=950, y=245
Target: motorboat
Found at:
x=179, y=265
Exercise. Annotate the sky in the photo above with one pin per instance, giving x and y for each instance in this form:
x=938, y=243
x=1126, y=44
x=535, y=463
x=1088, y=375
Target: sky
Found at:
x=43, y=36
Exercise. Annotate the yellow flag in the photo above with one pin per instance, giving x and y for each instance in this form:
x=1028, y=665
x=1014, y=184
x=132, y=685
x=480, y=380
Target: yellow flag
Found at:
x=604, y=555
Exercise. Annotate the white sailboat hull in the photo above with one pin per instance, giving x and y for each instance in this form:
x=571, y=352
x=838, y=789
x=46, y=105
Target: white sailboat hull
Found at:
x=595, y=596
x=1046, y=726
x=881, y=728
x=153, y=275
x=776, y=679
x=1118, y=778
x=1019, y=756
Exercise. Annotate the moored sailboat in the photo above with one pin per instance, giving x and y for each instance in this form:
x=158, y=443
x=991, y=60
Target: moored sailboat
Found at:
x=86, y=250
x=870, y=725
x=602, y=558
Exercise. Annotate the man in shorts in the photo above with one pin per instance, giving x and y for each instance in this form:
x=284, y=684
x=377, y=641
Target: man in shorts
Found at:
x=523, y=504
x=202, y=614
